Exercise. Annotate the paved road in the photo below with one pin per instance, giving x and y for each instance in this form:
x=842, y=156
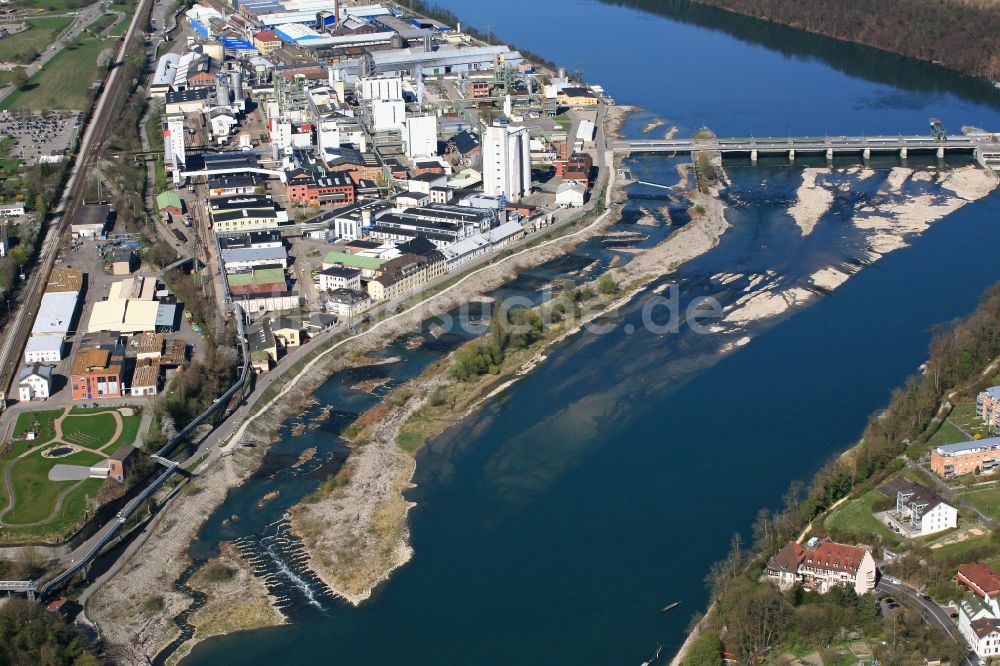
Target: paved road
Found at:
x=84, y=17
x=934, y=613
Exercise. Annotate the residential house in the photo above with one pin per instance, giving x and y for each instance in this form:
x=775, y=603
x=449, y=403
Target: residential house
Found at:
x=287, y=332
x=347, y=303
x=978, y=612
x=820, y=566
x=338, y=277
x=34, y=381
x=988, y=407
x=976, y=457
x=919, y=510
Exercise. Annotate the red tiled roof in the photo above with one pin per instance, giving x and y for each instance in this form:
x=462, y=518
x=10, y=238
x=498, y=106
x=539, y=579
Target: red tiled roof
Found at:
x=257, y=289
x=266, y=36
x=979, y=578
x=985, y=626
x=787, y=559
x=835, y=557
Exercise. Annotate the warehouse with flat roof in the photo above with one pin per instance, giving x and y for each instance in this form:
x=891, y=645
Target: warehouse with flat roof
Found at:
x=55, y=313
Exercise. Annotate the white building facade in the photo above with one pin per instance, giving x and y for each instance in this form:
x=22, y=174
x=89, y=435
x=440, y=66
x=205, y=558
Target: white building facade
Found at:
x=507, y=162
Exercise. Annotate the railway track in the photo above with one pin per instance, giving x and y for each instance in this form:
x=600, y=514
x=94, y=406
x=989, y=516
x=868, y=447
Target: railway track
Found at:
x=95, y=135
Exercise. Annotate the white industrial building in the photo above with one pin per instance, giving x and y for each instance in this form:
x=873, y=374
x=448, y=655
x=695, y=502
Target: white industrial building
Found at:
x=507, y=162
x=389, y=114
x=55, y=312
x=381, y=89
x=570, y=195
x=44, y=349
x=238, y=258
x=420, y=136
x=174, y=149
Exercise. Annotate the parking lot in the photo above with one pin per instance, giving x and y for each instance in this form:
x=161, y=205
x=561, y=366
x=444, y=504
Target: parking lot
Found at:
x=39, y=136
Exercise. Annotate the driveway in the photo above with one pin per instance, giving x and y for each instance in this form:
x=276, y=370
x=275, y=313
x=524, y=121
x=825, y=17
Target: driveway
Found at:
x=69, y=473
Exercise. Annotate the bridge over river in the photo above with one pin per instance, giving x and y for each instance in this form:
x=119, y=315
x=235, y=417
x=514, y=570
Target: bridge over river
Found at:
x=984, y=146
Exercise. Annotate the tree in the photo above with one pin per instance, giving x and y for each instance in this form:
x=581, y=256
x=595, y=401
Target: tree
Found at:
x=606, y=285
x=19, y=78
x=706, y=650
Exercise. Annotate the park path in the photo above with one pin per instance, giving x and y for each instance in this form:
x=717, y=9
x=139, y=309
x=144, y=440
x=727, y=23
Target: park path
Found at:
x=59, y=438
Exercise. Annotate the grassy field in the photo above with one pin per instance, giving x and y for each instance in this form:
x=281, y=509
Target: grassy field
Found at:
x=964, y=416
x=956, y=552
x=67, y=80
x=42, y=421
x=985, y=499
x=36, y=495
x=855, y=518
x=93, y=431
x=41, y=33
x=57, y=6
x=102, y=24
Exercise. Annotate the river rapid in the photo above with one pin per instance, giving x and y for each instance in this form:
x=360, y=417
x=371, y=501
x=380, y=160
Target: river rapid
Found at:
x=553, y=526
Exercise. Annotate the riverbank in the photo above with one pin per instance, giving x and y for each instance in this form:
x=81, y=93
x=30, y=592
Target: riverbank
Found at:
x=163, y=557
x=356, y=533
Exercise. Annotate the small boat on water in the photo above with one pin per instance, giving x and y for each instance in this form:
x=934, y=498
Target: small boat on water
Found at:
x=670, y=607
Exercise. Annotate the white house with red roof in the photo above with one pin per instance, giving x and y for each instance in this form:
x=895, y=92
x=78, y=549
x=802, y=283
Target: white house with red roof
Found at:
x=820, y=566
x=978, y=613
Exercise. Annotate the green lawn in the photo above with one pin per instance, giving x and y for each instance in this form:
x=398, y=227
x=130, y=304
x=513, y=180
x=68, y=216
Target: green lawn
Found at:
x=40, y=421
x=985, y=499
x=67, y=82
x=58, y=6
x=42, y=32
x=35, y=494
x=956, y=552
x=130, y=430
x=102, y=23
x=964, y=416
x=855, y=518
x=93, y=432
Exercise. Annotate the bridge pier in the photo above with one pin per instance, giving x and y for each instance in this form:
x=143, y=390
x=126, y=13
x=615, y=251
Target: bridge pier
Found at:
x=791, y=155
x=903, y=153
x=940, y=153
x=753, y=156
x=866, y=154
x=829, y=154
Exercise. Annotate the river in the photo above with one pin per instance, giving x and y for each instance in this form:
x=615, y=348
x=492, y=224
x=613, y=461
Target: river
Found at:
x=553, y=527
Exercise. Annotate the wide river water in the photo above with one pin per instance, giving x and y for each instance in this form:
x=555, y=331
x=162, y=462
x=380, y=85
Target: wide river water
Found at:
x=552, y=527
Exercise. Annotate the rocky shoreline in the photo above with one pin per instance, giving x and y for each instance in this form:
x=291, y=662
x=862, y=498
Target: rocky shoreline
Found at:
x=152, y=570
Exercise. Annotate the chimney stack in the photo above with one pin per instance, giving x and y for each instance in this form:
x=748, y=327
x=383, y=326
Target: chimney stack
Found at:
x=336, y=13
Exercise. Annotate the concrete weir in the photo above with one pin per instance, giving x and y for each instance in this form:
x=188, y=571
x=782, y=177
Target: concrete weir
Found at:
x=984, y=146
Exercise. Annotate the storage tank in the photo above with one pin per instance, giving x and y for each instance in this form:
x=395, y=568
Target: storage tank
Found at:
x=236, y=85
x=222, y=91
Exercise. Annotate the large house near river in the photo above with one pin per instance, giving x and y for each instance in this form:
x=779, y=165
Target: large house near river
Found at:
x=978, y=613
x=821, y=566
